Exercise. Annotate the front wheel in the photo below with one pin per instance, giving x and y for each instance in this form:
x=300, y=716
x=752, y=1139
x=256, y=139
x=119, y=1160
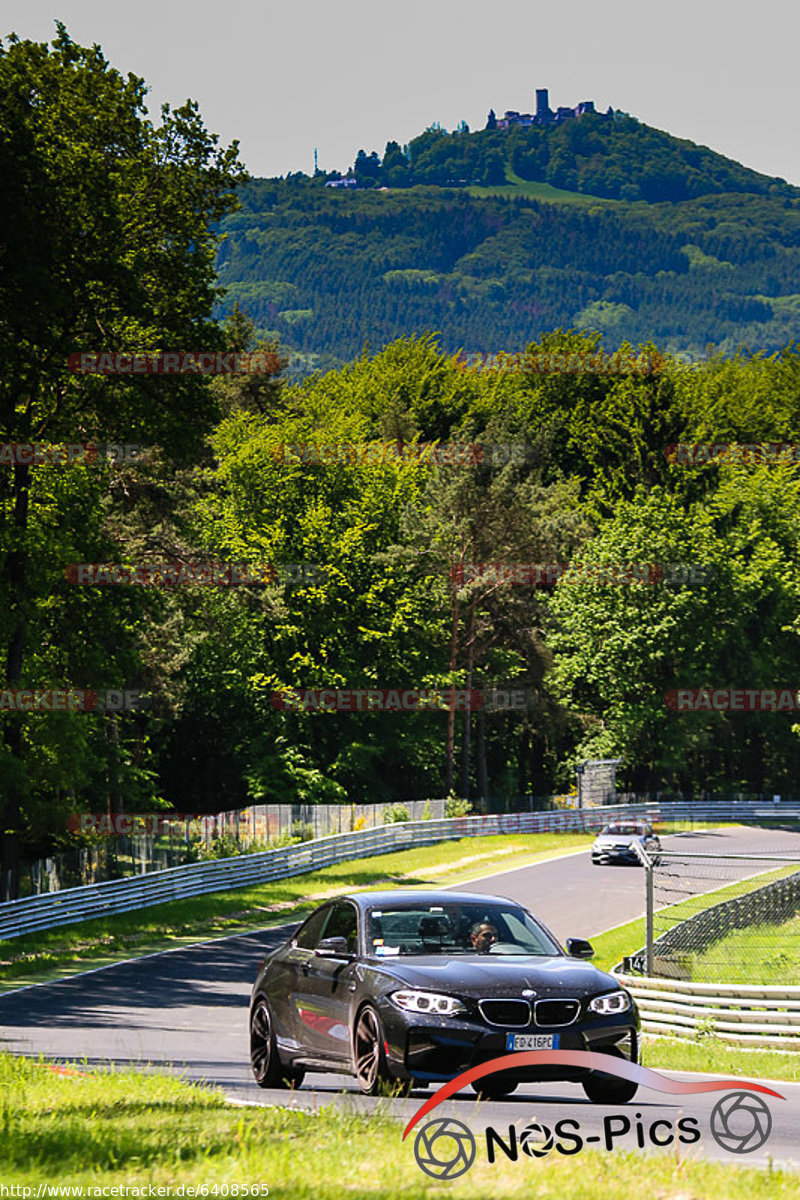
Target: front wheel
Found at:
x=264, y=1060
x=609, y=1089
x=369, y=1058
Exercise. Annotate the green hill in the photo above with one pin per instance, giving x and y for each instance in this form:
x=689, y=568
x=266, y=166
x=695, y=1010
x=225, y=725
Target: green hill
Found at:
x=612, y=156
x=491, y=238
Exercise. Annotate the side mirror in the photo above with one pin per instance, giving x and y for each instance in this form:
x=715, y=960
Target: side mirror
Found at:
x=578, y=948
x=333, y=947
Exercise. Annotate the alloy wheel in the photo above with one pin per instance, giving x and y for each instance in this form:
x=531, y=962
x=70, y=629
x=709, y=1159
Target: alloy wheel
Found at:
x=367, y=1048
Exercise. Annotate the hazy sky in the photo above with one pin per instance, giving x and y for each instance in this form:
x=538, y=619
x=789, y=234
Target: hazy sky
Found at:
x=284, y=77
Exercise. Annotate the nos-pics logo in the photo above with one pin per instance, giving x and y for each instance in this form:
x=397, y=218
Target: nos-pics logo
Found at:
x=445, y=1148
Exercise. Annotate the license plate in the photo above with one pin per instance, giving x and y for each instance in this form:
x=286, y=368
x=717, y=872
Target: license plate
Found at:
x=532, y=1041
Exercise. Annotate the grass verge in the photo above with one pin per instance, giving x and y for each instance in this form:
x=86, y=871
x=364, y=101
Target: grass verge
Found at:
x=55, y=953
x=709, y=1055
x=774, y=948
x=706, y=1054
x=611, y=946
x=127, y=1129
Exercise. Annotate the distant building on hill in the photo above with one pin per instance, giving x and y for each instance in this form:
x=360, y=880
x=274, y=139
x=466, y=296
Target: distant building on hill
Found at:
x=544, y=115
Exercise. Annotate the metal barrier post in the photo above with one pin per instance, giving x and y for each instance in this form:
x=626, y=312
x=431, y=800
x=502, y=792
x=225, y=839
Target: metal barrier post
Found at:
x=648, y=943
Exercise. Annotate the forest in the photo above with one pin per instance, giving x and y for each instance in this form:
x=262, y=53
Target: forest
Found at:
x=330, y=272
x=356, y=569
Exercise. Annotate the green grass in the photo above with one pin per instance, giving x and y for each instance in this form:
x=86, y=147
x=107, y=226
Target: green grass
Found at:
x=112, y=1129
x=612, y=945
x=55, y=953
x=705, y=1054
x=536, y=191
x=768, y=954
x=757, y=972
x=709, y=1055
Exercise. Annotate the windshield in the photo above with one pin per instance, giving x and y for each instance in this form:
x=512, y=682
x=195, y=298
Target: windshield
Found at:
x=455, y=929
x=626, y=829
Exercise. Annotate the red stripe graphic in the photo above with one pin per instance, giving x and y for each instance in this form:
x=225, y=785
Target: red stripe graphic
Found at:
x=593, y=1060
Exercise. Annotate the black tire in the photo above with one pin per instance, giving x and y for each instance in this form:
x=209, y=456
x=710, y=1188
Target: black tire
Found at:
x=369, y=1058
x=609, y=1089
x=266, y=1065
x=494, y=1089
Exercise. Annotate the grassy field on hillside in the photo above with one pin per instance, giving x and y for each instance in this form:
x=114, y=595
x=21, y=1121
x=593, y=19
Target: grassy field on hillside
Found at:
x=535, y=190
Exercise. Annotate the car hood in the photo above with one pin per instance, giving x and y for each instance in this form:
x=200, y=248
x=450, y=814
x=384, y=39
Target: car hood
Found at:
x=618, y=839
x=493, y=975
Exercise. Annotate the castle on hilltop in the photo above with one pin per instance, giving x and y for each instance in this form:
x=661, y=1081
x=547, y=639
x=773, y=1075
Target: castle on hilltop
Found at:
x=544, y=114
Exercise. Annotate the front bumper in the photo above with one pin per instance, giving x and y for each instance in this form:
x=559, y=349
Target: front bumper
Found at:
x=624, y=854
x=436, y=1049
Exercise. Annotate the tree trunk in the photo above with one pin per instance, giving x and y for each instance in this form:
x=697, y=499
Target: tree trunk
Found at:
x=483, y=775
x=465, y=745
x=451, y=714
x=15, y=572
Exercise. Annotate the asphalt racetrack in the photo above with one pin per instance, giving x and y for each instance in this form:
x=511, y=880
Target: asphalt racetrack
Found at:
x=186, y=1011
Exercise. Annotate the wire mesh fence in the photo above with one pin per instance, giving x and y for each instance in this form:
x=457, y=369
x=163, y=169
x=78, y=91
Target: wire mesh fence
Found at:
x=732, y=918
x=192, y=837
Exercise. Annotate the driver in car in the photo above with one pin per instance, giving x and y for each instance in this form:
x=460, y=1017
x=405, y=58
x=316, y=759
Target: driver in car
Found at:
x=481, y=936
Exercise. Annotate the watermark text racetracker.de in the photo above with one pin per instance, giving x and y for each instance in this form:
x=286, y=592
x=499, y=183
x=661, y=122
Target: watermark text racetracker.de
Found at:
x=582, y=574
x=174, y=362
x=697, y=454
x=128, y=824
x=47, y=454
x=404, y=700
x=43, y=1191
x=368, y=454
x=55, y=700
x=183, y=574
x=775, y=699
x=590, y=362
x=740, y=1122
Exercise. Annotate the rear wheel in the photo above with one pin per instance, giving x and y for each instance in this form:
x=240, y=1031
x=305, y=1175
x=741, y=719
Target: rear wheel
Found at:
x=369, y=1058
x=494, y=1089
x=264, y=1060
x=609, y=1089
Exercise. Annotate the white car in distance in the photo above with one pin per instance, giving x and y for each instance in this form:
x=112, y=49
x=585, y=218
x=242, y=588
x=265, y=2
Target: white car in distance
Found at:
x=617, y=841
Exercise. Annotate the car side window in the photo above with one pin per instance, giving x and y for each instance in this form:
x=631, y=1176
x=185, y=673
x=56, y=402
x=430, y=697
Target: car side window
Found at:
x=309, y=935
x=344, y=923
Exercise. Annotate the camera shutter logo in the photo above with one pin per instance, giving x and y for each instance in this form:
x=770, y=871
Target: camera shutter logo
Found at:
x=444, y=1148
x=740, y=1122
x=536, y=1140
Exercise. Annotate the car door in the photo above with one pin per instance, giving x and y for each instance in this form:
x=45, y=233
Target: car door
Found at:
x=325, y=987
x=288, y=983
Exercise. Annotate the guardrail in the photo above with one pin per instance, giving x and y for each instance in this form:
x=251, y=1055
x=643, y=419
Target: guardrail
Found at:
x=745, y=1015
x=710, y=810
x=73, y=905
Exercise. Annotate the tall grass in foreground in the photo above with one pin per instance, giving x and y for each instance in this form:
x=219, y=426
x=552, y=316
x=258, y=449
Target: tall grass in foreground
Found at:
x=137, y=1130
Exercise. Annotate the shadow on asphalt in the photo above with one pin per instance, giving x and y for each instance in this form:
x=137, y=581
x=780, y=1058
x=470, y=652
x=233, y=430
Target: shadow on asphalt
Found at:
x=187, y=976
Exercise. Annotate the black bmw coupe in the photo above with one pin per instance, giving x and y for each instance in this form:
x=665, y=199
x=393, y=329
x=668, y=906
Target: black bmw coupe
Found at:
x=403, y=989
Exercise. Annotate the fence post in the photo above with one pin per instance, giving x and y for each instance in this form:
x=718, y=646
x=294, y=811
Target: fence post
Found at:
x=648, y=953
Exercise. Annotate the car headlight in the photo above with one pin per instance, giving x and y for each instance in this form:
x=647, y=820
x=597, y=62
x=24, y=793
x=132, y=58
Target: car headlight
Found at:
x=612, y=1002
x=432, y=1002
